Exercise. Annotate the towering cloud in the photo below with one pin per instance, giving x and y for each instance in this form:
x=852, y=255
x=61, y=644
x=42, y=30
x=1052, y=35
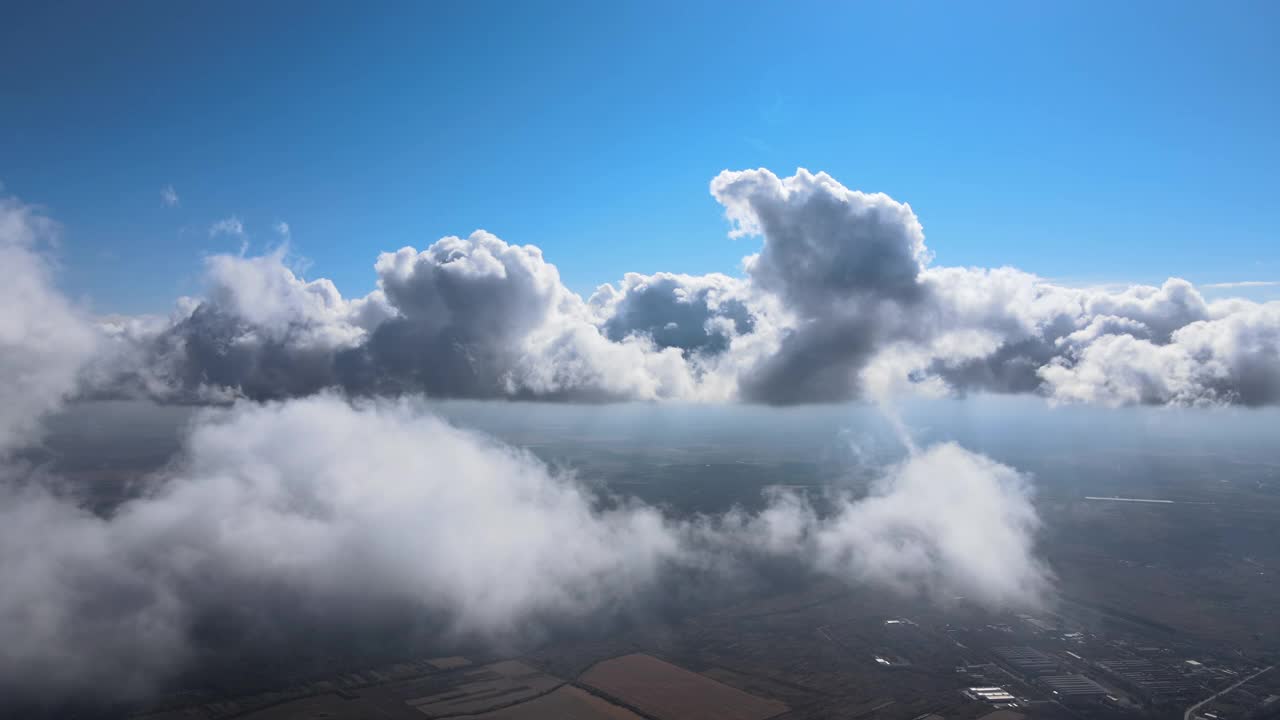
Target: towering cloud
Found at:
x=825, y=247
x=844, y=266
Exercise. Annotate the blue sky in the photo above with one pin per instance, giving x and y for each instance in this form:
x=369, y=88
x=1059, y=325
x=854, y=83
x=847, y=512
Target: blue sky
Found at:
x=1091, y=142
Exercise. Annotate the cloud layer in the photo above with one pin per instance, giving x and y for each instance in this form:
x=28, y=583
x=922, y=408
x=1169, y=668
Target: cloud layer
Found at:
x=341, y=512
x=285, y=523
x=841, y=302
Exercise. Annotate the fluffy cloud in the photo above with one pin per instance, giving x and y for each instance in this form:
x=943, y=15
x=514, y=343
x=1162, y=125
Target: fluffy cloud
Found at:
x=840, y=302
x=1136, y=345
x=43, y=339
x=824, y=245
x=944, y=522
x=466, y=317
x=692, y=313
x=1233, y=359
x=845, y=267
x=1012, y=320
x=852, y=270
x=260, y=331
x=478, y=317
x=340, y=512
x=321, y=519
x=1161, y=310
x=466, y=311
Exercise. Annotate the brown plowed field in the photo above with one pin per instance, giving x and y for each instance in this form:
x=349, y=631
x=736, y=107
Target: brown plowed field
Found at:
x=566, y=703
x=669, y=692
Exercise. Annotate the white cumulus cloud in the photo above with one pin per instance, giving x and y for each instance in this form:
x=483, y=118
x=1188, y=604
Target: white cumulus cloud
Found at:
x=318, y=517
x=841, y=302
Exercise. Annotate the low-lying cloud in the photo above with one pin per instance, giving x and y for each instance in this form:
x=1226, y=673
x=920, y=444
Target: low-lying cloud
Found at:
x=339, y=511
x=944, y=522
x=319, y=517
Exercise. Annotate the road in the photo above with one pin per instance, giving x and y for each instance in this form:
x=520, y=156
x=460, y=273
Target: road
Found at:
x=1191, y=711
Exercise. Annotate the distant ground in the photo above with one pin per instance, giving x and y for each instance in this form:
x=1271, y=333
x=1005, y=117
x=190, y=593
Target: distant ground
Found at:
x=1161, y=605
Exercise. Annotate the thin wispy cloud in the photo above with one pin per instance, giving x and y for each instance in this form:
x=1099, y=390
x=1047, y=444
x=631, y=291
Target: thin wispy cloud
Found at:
x=169, y=197
x=230, y=226
x=1242, y=284
x=282, y=229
